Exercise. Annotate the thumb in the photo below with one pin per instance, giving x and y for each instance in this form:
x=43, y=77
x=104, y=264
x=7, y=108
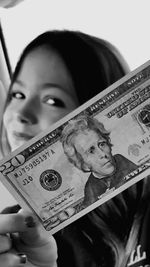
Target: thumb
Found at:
x=39, y=246
x=34, y=234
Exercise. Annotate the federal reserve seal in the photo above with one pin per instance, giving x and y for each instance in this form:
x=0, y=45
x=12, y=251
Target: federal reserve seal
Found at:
x=50, y=180
x=144, y=115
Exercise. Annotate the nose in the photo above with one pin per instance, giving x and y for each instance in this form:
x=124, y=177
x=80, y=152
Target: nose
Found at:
x=28, y=111
x=101, y=153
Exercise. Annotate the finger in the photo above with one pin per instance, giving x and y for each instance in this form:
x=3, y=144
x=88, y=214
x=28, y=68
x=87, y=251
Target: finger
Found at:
x=11, y=223
x=5, y=243
x=27, y=225
x=34, y=233
x=12, y=260
x=34, y=240
x=11, y=209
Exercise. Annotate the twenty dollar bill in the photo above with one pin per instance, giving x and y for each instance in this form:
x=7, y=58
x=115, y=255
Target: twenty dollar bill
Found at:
x=40, y=176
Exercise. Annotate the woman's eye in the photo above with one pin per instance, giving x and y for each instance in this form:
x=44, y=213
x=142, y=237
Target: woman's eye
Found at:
x=17, y=95
x=55, y=102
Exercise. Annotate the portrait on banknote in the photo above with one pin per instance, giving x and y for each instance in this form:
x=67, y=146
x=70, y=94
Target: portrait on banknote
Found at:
x=87, y=145
x=91, y=155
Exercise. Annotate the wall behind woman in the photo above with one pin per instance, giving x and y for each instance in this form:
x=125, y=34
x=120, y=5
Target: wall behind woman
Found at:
x=124, y=23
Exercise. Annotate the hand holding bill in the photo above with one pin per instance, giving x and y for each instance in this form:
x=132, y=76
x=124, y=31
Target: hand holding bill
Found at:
x=24, y=243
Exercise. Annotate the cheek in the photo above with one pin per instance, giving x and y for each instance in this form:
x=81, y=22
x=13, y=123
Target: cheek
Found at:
x=7, y=117
x=91, y=161
x=52, y=116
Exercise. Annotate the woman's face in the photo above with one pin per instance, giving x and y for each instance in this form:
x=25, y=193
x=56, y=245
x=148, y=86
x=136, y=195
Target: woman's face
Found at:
x=42, y=94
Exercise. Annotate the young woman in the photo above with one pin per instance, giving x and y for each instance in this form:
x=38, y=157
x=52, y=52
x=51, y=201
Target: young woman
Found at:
x=57, y=72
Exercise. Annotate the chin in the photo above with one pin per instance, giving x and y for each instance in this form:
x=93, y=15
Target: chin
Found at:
x=111, y=171
x=16, y=146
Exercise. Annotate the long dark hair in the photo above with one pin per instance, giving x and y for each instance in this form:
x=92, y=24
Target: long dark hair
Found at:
x=93, y=63
x=100, y=237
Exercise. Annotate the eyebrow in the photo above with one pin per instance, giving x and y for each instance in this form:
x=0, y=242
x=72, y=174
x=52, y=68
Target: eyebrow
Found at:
x=44, y=86
x=54, y=85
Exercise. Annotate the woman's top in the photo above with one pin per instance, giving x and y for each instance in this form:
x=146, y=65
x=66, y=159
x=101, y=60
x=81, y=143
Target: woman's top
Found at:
x=122, y=223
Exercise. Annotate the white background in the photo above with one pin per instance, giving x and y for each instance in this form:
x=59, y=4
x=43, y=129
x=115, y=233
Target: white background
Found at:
x=125, y=23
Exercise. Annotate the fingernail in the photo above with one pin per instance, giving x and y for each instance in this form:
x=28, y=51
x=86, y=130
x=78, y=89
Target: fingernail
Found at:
x=29, y=221
x=23, y=258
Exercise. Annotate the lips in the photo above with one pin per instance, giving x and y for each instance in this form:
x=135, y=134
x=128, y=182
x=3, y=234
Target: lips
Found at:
x=107, y=163
x=21, y=135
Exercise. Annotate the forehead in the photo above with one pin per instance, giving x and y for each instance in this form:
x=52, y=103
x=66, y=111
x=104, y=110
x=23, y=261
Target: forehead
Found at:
x=44, y=65
x=44, y=56
x=84, y=140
